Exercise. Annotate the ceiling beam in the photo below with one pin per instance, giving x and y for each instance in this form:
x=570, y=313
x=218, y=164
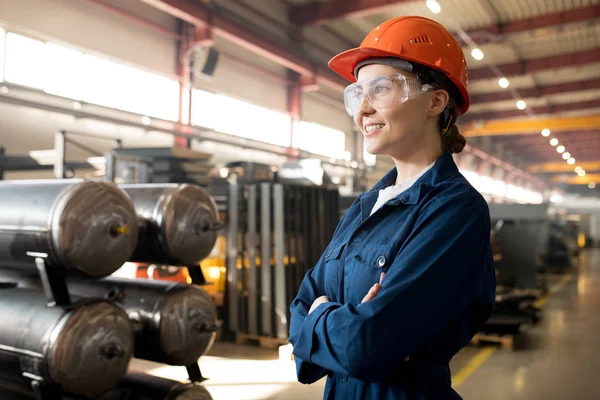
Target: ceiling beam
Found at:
x=573, y=179
x=321, y=12
x=545, y=109
x=538, y=64
x=539, y=22
x=247, y=38
x=529, y=126
x=541, y=91
x=554, y=167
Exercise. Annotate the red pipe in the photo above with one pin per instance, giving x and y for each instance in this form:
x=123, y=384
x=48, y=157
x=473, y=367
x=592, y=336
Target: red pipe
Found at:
x=137, y=19
x=246, y=38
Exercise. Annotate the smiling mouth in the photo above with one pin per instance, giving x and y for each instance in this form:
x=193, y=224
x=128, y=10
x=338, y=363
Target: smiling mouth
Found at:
x=369, y=129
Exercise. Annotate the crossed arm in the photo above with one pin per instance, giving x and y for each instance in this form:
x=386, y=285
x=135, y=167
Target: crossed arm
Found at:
x=437, y=276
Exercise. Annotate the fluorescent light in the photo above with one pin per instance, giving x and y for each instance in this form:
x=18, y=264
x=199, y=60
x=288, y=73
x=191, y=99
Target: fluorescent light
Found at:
x=477, y=54
x=581, y=173
x=592, y=185
x=545, y=132
x=434, y=6
x=560, y=149
x=566, y=155
x=77, y=105
x=503, y=82
x=521, y=105
x=146, y=120
x=553, y=141
x=571, y=161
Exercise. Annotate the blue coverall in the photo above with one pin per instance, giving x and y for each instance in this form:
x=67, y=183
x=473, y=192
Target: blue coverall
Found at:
x=433, y=243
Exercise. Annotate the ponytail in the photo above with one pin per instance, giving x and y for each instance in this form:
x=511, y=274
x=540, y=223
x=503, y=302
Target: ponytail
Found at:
x=452, y=140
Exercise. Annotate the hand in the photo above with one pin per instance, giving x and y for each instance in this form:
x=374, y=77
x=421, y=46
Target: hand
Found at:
x=317, y=302
x=374, y=290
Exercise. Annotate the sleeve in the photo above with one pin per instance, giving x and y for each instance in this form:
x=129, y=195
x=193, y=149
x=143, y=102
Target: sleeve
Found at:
x=311, y=288
x=435, y=276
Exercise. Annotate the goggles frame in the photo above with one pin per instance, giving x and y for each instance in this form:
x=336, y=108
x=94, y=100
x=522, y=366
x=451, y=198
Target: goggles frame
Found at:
x=382, y=92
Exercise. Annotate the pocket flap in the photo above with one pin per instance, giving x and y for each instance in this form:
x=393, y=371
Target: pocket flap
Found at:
x=334, y=252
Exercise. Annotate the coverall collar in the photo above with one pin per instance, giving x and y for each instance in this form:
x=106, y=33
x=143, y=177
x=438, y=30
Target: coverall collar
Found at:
x=443, y=169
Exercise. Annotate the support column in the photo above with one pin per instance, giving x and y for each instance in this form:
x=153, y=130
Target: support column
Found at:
x=183, y=71
x=294, y=106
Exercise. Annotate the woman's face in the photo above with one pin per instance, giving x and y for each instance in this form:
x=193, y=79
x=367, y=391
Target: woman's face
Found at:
x=399, y=127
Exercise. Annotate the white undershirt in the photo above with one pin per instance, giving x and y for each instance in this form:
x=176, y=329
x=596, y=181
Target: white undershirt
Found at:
x=391, y=192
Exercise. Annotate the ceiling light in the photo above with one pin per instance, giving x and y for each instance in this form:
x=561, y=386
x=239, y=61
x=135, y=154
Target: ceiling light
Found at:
x=503, y=82
x=545, y=132
x=434, y=6
x=566, y=155
x=592, y=185
x=578, y=168
x=571, y=161
x=146, y=120
x=553, y=141
x=521, y=105
x=4, y=90
x=581, y=173
x=77, y=105
x=560, y=149
x=477, y=54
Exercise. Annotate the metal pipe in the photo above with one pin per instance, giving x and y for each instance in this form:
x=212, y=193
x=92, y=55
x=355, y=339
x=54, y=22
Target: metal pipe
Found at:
x=87, y=227
x=135, y=18
x=174, y=323
x=134, y=386
x=178, y=223
x=83, y=349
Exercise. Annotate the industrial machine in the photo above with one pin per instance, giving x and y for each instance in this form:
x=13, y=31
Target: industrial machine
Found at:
x=276, y=230
x=82, y=349
x=519, y=237
x=178, y=223
x=85, y=227
x=134, y=386
x=74, y=330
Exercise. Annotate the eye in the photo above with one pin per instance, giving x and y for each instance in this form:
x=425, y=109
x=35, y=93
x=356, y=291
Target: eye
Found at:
x=381, y=89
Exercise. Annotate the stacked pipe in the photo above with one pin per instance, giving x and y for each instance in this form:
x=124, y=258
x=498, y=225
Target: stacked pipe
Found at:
x=73, y=329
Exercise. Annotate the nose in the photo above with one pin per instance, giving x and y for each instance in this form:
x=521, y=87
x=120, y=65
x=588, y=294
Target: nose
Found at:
x=365, y=107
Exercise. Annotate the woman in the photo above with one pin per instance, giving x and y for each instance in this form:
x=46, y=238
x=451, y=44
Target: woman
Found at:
x=423, y=226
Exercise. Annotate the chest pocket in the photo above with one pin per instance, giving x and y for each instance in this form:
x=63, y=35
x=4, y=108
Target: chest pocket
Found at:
x=333, y=271
x=371, y=261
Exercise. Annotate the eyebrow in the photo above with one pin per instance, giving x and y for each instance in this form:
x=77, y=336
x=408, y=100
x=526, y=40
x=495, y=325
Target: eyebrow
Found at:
x=377, y=80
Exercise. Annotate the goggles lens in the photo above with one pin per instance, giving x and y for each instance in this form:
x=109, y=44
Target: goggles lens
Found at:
x=381, y=92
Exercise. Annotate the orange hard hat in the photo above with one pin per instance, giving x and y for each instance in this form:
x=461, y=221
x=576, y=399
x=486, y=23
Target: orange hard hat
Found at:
x=414, y=39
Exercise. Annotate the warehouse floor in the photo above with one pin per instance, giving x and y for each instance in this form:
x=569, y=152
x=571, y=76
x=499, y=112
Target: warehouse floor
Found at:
x=557, y=359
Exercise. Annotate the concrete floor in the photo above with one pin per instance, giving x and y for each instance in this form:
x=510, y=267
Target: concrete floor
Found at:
x=557, y=359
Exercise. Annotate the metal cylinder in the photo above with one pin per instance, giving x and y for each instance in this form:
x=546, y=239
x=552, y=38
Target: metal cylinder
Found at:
x=83, y=349
x=135, y=386
x=139, y=386
x=88, y=227
x=177, y=223
x=174, y=323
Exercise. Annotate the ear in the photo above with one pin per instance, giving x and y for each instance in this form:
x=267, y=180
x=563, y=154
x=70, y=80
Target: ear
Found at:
x=439, y=101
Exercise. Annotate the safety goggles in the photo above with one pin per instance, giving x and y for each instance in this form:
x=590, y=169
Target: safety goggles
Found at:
x=382, y=92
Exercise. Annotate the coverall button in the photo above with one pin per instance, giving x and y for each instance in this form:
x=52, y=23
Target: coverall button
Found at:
x=344, y=378
x=329, y=254
x=381, y=261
